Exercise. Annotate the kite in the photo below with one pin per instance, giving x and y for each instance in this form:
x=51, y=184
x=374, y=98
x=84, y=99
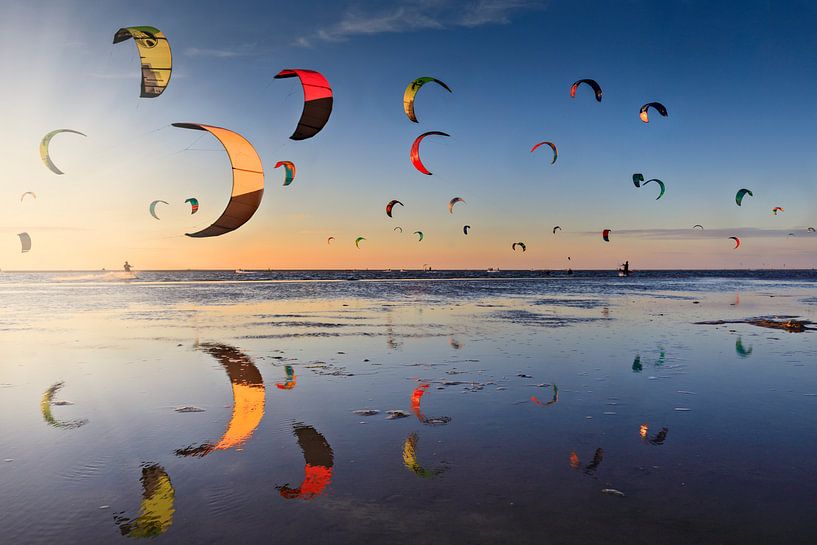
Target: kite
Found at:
x=248, y=181
x=465, y=229
x=289, y=167
x=390, y=206
x=553, y=401
x=154, y=54
x=698, y=226
x=357, y=241
x=317, y=101
x=194, y=205
x=552, y=146
x=330, y=239
x=290, y=381
x=637, y=179
x=810, y=229
x=410, y=459
x=660, y=184
x=411, y=91
x=44, y=144
x=591, y=82
x=153, y=207
x=737, y=242
x=416, y=396
x=742, y=193
x=420, y=233
x=657, y=106
x=557, y=227
x=25, y=242
x=605, y=234
x=23, y=196
x=454, y=201
x=415, y=150
x=777, y=209
x=520, y=244
x=398, y=227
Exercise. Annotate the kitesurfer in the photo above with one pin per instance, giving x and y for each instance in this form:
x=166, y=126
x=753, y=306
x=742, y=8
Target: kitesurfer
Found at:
x=626, y=268
x=127, y=266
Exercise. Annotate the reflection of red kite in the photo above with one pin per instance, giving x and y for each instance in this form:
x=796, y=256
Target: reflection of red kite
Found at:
x=416, y=395
x=248, y=399
x=553, y=401
x=318, y=467
x=290, y=382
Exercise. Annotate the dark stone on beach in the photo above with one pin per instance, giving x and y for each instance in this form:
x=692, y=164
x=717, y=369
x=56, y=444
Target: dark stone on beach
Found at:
x=394, y=414
x=366, y=412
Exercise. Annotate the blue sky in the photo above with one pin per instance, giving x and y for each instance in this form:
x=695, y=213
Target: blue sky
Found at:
x=737, y=79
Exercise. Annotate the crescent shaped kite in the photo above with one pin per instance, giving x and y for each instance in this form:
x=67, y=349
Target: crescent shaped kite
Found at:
x=357, y=241
x=194, y=205
x=591, y=82
x=157, y=507
x=660, y=184
x=317, y=101
x=465, y=229
x=420, y=234
x=411, y=91
x=605, y=234
x=737, y=242
x=520, y=244
x=46, y=142
x=698, y=226
x=637, y=179
x=319, y=461
x=390, y=206
x=742, y=193
x=657, y=106
x=153, y=207
x=248, y=180
x=415, y=150
x=454, y=201
x=248, y=399
x=775, y=210
x=23, y=196
x=557, y=227
x=289, y=167
x=25, y=242
x=329, y=240
x=416, y=396
x=154, y=54
x=398, y=227
x=45, y=408
x=552, y=146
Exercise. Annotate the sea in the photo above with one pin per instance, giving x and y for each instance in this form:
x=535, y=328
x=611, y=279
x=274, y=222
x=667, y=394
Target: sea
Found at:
x=417, y=407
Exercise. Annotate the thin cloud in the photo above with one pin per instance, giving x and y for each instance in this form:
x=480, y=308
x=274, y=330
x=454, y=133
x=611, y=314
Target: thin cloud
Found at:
x=422, y=15
x=693, y=234
x=220, y=53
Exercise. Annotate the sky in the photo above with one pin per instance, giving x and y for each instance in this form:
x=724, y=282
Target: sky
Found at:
x=736, y=77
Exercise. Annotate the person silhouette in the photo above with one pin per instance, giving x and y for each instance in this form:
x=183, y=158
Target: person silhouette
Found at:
x=127, y=266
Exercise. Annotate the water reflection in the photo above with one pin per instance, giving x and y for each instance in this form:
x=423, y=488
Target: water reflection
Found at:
x=742, y=351
x=319, y=461
x=248, y=399
x=157, y=507
x=416, y=396
x=45, y=408
x=290, y=381
x=637, y=367
x=410, y=459
x=590, y=469
x=553, y=400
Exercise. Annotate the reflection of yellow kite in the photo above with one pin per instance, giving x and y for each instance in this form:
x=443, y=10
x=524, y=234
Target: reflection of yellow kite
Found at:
x=156, y=510
x=45, y=408
x=410, y=459
x=248, y=399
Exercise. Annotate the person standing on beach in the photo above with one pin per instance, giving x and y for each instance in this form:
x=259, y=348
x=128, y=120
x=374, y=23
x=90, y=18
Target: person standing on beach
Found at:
x=626, y=267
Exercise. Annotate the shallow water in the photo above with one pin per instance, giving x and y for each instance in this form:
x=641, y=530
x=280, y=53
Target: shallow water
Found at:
x=511, y=383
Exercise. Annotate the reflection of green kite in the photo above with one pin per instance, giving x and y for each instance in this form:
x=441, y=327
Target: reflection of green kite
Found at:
x=637, y=367
x=410, y=459
x=661, y=358
x=741, y=350
x=45, y=408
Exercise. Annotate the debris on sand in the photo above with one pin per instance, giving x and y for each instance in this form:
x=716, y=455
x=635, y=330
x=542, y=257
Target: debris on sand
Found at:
x=612, y=492
x=394, y=414
x=189, y=409
x=793, y=326
x=62, y=403
x=366, y=412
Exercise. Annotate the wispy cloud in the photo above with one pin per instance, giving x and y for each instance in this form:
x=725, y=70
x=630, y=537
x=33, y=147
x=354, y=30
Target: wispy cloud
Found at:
x=221, y=52
x=418, y=15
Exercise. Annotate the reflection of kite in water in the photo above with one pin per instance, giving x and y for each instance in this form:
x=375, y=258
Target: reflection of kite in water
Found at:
x=416, y=395
x=410, y=459
x=248, y=399
x=637, y=367
x=45, y=408
x=46, y=142
x=553, y=400
x=575, y=463
x=319, y=460
x=290, y=382
x=643, y=430
x=157, y=507
x=154, y=54
x=660, y=437
x=742, y=351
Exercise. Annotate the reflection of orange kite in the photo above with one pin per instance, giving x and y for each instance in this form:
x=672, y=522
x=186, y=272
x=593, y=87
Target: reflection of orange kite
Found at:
x=416, y=396
x=248, y=399
x=319, y=461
